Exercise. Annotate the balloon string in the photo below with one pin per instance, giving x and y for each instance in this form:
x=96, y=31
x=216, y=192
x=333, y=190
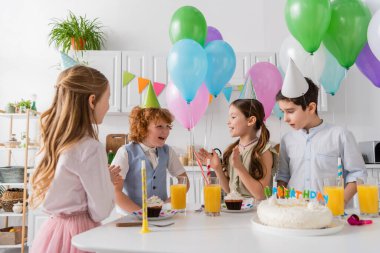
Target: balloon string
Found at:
x=345, y=99
x=192, y=149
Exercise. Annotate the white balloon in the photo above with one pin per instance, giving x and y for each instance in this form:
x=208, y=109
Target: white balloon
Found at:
x=310, y=65
x=373, y=34
x=373, y=5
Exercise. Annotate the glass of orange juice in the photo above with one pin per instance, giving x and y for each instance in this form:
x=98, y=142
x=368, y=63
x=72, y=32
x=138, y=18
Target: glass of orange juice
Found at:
x=212, y=196
x=334, y=188
x=178, y=189
x=368, y=194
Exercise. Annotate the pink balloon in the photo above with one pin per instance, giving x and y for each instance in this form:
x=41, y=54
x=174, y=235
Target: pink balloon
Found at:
x=187, y=114
x=267, y=81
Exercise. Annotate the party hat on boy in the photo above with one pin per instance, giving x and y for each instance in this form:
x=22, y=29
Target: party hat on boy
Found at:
x=294, y=84
x=151, y=100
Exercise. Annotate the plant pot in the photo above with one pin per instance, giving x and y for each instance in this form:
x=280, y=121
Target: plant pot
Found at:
x=79, y=45
x=10, y=109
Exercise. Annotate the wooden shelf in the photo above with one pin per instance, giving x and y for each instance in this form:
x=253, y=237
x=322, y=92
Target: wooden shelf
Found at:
x=13, y=184
x=18, y=149
x=19, y=115
x=10, y=214
x=12, y=246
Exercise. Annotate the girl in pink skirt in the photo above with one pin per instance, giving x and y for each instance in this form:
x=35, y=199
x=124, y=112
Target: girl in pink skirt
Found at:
x=72, y=180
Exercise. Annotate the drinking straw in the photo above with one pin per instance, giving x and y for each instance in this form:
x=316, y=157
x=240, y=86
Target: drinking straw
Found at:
x=200, y=165
x=340, y=170
x=145, y=227
x=208, y=168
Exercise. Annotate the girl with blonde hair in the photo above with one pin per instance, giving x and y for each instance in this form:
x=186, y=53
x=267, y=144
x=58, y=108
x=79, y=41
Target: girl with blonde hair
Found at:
x=72, y=181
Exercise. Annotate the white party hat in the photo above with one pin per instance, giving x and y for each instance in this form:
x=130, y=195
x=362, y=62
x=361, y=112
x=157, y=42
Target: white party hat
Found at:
x=295, y=84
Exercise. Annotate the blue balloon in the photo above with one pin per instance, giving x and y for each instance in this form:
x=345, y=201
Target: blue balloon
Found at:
x=277, y=111
x=187, y=66
x=221, y=65
x=332, y=74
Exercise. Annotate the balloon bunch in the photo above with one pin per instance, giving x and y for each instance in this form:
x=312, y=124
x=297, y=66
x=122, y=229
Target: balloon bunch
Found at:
x=343, y=26
x=198, y=56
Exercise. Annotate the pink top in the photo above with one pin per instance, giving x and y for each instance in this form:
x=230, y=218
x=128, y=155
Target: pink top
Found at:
x=81, y=182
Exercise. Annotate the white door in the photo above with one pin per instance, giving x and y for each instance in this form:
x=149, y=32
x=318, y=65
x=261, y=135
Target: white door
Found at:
x=137, y=64
x=109, y=63
x=159, y=73
x=243, y=63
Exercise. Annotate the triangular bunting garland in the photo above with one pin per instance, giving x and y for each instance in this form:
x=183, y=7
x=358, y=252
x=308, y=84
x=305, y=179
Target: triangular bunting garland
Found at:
x=158, y=88
x=240, y=87
x=67, y=61
x=210, y=98
x=227, y=91
x=127, y=78
x=142, y=83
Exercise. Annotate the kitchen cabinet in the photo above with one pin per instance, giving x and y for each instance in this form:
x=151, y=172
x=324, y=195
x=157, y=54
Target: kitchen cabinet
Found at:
x=109, y=63
x=152, y=66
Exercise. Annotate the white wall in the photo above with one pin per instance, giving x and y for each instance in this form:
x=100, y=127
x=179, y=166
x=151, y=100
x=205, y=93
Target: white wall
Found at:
x=27, y=63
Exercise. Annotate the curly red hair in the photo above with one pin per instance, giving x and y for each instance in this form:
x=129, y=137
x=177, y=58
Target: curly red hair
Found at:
x=140, y=118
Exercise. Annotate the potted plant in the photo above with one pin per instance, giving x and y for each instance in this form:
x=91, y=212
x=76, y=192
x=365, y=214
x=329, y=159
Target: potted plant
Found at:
x=79, y=33
x=11, y=108
x=23, y=105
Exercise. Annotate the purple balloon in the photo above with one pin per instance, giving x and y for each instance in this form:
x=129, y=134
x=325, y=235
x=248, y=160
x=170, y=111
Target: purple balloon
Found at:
x=266, y=81
x=369, y=65
x=187, y=114
x=213, y=34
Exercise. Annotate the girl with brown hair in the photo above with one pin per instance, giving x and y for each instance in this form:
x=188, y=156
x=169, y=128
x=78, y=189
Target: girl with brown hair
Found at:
x=247, y=163
x=72, y=180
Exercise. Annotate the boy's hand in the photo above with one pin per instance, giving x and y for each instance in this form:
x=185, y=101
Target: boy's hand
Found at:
x=236, y=159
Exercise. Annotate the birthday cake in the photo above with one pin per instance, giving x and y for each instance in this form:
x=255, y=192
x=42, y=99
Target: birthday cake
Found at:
x=294, y=213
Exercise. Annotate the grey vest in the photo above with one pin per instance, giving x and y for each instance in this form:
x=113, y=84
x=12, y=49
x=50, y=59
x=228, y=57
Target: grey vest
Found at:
x=155, y=178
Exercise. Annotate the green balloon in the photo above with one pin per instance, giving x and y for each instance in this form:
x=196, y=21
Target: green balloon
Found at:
x=308, y=21
x=188, y=23
x=347, y=33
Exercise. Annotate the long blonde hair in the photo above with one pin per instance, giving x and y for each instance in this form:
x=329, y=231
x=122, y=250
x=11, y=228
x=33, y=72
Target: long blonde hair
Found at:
x=68, y=120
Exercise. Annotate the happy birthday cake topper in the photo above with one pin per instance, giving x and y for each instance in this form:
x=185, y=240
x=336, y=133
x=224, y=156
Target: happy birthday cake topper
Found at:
x=282, y=192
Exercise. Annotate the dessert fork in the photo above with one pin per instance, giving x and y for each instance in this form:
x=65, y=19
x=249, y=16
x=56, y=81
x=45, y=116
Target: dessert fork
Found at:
x=139, y=223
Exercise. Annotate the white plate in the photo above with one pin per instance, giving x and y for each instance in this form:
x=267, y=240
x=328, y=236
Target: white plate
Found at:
x=334, y=227
x=245, y=207
x=164, y=215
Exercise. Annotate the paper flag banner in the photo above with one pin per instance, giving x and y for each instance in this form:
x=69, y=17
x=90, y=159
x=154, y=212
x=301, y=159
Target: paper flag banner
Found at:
x=127, y=78
x=151, y=100
x=158, y=87
x=67, y=61
x=142, y=83
x=227, y=91
x=240, y=87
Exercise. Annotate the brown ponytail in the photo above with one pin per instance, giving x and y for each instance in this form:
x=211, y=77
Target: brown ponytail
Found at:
x=252, y=107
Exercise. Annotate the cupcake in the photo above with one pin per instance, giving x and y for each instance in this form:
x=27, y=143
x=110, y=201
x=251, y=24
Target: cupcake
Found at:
x=154, y=206
x=233, y=200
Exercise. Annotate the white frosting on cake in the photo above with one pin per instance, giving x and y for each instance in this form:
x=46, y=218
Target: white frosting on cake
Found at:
x=154, y=201
x=234, y=195
x=293, y=213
